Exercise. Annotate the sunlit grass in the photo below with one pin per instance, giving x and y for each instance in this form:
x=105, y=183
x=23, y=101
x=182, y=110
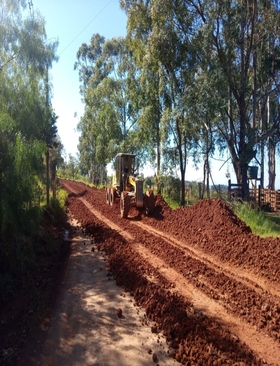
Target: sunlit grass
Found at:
x=172, y=203
x=261, y=223
x=62, y=196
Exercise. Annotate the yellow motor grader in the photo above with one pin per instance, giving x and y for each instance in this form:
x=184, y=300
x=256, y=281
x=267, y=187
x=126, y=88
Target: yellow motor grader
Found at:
x=128, y=187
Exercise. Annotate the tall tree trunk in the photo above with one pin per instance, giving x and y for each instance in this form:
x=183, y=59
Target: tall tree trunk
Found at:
x=183, y=187
x=245, y=185
x=271, y=154
x=243, y=158
x=207, y=162
x=158, y=138
x=48, y=175
x=262, y=164
x=271, y=164
x=264, y=122
x=158, y=151
x=207, y=177
x=206, y=173
x=53, y=178
x=182, y=149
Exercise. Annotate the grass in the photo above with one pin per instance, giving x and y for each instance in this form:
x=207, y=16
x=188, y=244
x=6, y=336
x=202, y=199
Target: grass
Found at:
x=173, y=204
x=62, y=196
x=261, y=223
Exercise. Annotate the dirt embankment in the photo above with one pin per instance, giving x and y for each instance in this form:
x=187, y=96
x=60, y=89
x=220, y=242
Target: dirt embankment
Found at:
x=208, y=283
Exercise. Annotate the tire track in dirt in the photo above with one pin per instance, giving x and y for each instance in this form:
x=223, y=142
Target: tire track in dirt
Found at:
x=245, y=277
x=244, y=332
x=211, y=308
x=236, y=297
x=206, y=341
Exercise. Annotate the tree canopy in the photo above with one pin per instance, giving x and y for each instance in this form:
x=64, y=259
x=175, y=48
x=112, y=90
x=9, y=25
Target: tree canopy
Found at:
x=27, y=120
x=191, y=78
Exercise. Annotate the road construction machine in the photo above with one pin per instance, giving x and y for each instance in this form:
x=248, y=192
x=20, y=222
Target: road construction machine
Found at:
x=128, y=187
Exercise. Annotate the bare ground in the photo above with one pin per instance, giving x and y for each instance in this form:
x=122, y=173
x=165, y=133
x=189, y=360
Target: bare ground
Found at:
x=201, y=284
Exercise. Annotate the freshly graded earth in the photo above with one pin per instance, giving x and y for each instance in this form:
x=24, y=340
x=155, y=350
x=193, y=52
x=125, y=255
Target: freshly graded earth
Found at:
x=209, y=289
x=210, y=285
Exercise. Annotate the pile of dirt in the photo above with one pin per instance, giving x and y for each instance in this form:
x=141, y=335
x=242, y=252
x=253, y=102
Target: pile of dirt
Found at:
x=161, y=208
x=213, y=229
x=212, y=226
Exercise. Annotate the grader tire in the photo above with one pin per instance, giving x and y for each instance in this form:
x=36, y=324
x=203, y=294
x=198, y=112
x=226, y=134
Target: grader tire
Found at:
x=112, y=196
x=108, y=196
x=124, y=205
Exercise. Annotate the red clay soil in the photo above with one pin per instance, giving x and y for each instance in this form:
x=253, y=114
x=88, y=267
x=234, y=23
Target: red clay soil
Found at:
x=206, y=281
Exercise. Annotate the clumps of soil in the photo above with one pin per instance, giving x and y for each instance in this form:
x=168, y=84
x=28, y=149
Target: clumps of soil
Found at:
x=119, y=313
x=212, y=226
x=193, y=337
x=161, y=207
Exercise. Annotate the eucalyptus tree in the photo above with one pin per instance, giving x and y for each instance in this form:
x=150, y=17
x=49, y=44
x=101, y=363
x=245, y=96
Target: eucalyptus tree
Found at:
x=55, y=161
x=202, y=110
x=109, y=116
x=170, y=55
x=89, y=63
x=144, y=81
x=271, y=112
x=232, y=34
x=24, y=114
x=234, y=46
x=267, y=60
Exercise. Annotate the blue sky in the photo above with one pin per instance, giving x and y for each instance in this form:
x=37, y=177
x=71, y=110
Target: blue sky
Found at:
x=72, y=23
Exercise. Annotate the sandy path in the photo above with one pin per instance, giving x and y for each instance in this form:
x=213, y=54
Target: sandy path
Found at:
x=84, y=328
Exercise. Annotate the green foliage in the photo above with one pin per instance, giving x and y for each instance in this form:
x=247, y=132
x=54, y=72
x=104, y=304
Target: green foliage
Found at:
x=69, y=169
x=62, y=197
x=170, y=187
x=204, y=73
x=21, y=190
x=260, y=223
x=58, y=205
x=173, y=204
x=27, y=125
x=108, y=119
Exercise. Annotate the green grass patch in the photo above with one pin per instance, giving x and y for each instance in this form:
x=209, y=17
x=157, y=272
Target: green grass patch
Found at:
x=261, y=223
x=62, y=196
x=172, y=203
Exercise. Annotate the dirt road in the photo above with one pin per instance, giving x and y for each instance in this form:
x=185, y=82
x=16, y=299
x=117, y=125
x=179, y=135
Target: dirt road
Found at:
x=208, y=286
x=85, y=326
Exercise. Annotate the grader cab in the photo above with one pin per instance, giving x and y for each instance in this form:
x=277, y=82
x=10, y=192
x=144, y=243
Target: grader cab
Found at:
x=128, y=187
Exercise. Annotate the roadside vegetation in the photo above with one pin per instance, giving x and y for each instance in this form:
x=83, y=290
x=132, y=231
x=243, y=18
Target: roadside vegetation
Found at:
x=32, y=259
x=31, y=253
x=30, y=150
x=188, y=81
x=261, y=223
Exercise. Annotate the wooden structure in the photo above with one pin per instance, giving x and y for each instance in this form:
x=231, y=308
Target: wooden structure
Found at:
x=266, y=199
